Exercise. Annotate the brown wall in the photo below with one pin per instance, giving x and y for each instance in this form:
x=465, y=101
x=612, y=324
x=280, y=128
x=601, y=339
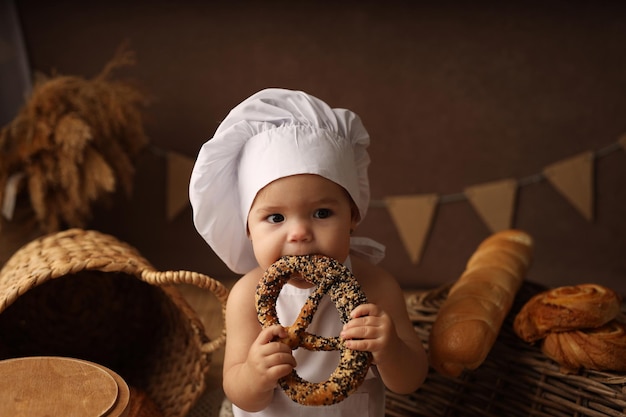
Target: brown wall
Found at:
x=452, y=96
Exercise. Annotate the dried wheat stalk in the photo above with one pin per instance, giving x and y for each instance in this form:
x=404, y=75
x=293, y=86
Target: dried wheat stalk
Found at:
x=75, y=140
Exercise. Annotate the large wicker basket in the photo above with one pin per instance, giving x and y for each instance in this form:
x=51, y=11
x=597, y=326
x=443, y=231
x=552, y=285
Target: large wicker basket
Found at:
x=516, y=379
x=87, y=295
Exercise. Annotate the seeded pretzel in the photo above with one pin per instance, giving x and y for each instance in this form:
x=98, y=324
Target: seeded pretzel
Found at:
x=337, y=281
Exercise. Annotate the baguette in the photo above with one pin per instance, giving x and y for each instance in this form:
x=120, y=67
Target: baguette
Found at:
x=469, y=320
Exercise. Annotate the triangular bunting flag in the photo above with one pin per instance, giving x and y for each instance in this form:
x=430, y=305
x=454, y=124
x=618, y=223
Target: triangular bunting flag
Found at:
x=179, y=169
x=494, y=202
x=413, y=216
x=622, y=141
x=573, y=178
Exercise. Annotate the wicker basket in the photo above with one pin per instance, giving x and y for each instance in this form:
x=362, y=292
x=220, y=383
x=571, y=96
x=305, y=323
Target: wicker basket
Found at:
x=516, y=379
x=87, y=295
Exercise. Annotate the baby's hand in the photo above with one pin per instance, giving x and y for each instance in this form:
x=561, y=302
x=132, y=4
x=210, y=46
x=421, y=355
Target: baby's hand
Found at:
x=269, y=360
x=370, y=329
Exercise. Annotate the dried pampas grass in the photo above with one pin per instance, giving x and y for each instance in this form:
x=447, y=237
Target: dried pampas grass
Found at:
x=74, y=141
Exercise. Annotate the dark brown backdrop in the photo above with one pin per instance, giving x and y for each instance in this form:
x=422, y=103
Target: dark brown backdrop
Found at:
x=452, y=96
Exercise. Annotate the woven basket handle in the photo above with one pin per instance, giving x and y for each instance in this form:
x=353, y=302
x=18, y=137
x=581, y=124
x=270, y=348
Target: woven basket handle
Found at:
x=199, y=280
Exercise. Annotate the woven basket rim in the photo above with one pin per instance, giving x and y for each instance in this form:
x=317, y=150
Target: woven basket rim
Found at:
x=19, y=274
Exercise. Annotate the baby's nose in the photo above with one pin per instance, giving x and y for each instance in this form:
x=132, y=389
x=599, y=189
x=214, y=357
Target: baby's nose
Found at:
x=299, y=230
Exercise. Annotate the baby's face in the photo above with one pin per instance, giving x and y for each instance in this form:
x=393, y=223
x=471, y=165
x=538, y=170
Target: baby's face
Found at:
x=300, y=215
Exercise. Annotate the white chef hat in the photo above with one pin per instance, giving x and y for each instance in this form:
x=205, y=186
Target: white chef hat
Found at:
x=273, y=134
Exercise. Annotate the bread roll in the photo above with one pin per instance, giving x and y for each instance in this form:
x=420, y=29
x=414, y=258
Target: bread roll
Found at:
x=141, y=405
x=469, y=320
x=566, y=308
x=602, y=349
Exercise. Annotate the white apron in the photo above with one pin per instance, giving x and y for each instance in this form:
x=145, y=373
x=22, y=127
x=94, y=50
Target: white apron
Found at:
x=367, y=401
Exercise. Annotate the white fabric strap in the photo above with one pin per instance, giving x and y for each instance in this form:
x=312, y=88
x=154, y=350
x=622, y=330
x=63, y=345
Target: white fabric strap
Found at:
x=367, y=248
x=10, y=195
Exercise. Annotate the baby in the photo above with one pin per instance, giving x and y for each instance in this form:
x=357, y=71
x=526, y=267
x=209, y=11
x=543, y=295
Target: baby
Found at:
x=285, y=174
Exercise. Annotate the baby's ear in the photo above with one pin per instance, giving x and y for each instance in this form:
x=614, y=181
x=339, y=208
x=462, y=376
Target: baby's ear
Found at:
x=355, y=217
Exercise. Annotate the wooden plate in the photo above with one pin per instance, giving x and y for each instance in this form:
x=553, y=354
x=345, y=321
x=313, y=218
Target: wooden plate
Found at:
x=63, y=387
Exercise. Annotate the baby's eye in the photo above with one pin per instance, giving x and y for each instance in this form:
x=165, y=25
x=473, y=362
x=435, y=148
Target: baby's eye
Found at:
x=275, y=218
x=323, y=213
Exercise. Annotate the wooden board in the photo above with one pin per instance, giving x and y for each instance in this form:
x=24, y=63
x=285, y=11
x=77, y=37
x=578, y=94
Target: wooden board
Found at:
x=55, y=386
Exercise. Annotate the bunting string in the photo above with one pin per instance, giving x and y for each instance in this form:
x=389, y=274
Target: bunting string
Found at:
x=522, y=182
x=495, y=201
x=414, y=214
